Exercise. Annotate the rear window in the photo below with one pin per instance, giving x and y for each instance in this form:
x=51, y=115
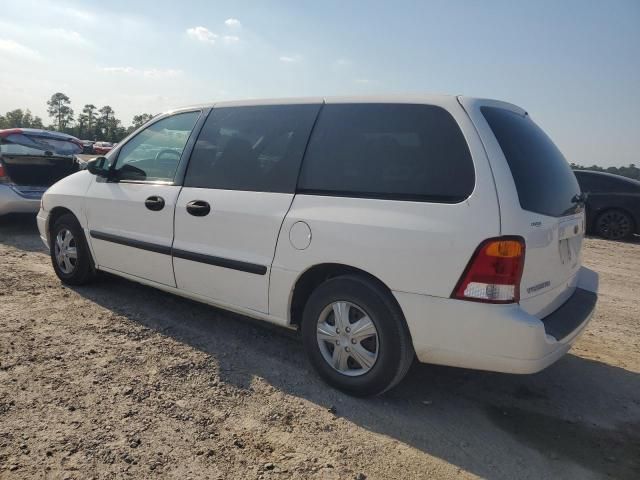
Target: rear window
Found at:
x=395, y=151
x=25, y=144
x=544, y=180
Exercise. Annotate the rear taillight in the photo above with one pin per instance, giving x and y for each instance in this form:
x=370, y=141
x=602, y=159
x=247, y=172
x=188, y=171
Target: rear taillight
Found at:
x=4, y=178
x=494, y=272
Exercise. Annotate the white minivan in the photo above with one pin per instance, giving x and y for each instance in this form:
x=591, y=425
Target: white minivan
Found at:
x=384, y=229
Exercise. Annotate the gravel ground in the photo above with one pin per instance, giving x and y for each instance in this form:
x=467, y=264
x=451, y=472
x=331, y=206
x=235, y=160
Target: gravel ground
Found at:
x=120, y=380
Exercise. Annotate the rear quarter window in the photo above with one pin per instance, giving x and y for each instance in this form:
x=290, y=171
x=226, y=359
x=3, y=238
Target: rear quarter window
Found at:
x=543, y=178
x=394, y=151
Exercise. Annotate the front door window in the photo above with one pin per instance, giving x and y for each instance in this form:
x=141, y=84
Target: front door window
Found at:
x=154, y=153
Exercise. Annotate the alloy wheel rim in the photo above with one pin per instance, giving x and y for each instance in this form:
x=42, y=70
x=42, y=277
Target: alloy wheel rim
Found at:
x=66, y=252
x=614, y=225
x=348, y=338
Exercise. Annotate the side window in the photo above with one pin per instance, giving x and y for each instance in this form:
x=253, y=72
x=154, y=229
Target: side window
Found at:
x=251, y=148
x=398, y=151
x=154, y=153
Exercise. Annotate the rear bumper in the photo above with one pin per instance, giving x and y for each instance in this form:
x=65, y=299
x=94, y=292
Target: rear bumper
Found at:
x=12, y=202
x=501, y=338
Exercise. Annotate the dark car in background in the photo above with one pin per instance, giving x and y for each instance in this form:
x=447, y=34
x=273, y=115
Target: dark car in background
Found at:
x=613, y=204
x=87, y=146
x=31, y=161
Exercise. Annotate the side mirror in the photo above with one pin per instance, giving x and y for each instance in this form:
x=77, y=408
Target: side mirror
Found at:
x=99, y=166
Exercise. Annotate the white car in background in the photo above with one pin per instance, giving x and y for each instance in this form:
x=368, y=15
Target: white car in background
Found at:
x=442, y=228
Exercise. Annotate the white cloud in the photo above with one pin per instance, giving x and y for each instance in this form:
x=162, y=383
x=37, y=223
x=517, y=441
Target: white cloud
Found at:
x=148, y=73
x=343, y=62
x=288, y=59
x=362, y=81
x=118, y=69
x=233, y=23
x=14, y=48
x=160, y=73
x=68, y=36
x=202, y=34
x=79, y=14
x=230, y=39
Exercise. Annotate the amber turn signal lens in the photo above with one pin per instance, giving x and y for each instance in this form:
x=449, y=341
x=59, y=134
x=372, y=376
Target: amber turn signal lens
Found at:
x=504, y=249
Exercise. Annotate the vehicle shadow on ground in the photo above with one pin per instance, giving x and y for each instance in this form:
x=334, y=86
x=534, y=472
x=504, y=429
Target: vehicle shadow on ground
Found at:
x=564, y=422
x=21, y=231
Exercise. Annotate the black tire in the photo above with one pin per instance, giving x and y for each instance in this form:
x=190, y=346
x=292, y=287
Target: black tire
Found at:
x=83, y=270
x=614, y=224
x=394, y=347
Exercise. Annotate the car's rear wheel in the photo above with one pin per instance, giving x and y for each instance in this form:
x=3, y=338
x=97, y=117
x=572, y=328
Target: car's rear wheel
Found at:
x=355, y=336
x=70, y=254
x=614, y=224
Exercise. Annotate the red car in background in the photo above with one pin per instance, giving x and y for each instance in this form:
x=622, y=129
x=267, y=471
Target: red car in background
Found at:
x=102, y=147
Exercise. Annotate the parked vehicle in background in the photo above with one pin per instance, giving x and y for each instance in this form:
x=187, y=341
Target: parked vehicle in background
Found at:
x=613, y=204
x=384, y=229
x=102, y=148
x=31, y=161
x=87, y=146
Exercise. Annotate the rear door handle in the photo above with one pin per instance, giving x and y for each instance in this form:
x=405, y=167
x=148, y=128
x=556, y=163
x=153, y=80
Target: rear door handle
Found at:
x=154, y=203
x=198, y=208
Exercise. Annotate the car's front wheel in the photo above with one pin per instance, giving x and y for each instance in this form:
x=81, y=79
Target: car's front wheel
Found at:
x=69, y=251
x=355, y=336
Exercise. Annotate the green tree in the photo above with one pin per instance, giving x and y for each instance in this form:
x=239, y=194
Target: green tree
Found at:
x=109, y=125
x=81, y=125
x=31, y=121
x=20, y=119
x=139, y=120
x=90, y=111
x=14, y=118
x=59, y=109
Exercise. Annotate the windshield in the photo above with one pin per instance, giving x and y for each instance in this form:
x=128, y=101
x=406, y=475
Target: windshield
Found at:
x=544, y=180
x=27, y=144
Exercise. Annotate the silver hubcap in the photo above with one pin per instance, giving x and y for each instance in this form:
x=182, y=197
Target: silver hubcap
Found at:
x=347, y=338
x=65, y=251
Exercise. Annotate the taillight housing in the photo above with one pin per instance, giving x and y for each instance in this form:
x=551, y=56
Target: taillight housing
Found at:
x=494, y=272
x=4, y=178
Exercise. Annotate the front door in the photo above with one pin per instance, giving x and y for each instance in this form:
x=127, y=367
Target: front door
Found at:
x=130, y=218
x=239, y=185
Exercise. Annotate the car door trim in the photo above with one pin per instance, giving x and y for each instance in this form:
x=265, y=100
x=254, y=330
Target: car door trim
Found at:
x=129, y=242
x=182, y=254
x=221, y=262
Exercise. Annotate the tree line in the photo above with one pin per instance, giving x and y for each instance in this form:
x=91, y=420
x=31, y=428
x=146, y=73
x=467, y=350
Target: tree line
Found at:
x=92, y=123
x=631, y=171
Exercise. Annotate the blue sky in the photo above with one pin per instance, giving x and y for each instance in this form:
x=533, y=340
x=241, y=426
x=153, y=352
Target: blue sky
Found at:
x=574, y=65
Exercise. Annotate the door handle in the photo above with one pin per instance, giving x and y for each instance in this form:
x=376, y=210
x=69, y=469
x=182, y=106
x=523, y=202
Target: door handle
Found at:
x=154, y=203
x=198, y=208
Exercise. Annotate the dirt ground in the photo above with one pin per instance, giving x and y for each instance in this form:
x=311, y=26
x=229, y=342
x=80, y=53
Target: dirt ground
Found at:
x=120, y=380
